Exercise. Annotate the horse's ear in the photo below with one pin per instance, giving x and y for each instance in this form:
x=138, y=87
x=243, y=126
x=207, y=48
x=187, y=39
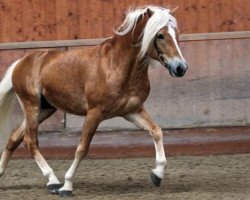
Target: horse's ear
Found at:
x=172, y=11
x=149, y=12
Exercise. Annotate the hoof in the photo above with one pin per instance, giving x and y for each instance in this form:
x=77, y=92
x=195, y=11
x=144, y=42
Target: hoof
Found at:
x=155, y=180
x=65, y=193
x=53, y=188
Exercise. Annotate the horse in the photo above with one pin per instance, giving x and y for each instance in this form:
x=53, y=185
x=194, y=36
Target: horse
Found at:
x=99, y=82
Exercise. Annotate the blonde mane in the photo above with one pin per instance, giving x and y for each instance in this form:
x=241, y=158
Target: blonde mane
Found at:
x=161, y=17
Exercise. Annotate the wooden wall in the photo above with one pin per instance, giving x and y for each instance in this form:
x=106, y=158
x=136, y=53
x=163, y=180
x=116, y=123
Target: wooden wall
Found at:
x=215, y=91
x=28, y=20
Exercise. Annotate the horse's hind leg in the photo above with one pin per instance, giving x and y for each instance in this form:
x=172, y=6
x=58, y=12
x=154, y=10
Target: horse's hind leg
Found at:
x=31, y=112
x=143, y=120
x=17, y=137
x=33, y=116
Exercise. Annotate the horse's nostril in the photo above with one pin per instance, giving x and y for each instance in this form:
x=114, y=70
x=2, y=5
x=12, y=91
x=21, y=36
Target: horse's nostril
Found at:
x=179, y=70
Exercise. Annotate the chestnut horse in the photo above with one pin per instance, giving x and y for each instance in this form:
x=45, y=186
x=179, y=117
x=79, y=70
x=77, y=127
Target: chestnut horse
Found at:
x=99, y=82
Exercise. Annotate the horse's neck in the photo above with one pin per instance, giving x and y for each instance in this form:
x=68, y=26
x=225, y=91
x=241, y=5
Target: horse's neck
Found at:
x=126, y=55
x=127, y=48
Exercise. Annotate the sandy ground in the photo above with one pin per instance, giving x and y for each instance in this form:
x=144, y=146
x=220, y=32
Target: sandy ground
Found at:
x=211, y=177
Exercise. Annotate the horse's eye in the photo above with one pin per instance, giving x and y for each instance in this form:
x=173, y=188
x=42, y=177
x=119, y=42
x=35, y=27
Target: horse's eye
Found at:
x=160, y=36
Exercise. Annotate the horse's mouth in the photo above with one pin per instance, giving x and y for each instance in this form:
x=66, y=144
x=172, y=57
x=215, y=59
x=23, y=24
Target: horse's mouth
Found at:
x=167, y=66
x=174, y=71
x=171, y=72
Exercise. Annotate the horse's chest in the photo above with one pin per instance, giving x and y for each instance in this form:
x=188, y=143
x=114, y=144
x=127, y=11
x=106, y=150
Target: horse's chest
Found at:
x=132, y=103
x=126, y=104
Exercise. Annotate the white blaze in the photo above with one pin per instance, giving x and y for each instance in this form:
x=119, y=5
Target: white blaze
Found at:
x=171, y=32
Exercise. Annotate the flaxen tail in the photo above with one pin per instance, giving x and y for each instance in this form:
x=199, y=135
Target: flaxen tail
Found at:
x=7, y=97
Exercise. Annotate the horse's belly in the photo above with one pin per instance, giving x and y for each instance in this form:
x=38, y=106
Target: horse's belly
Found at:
x=71, y=102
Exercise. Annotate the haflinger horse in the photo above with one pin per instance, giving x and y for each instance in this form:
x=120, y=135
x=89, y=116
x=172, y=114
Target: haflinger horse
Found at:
x=100, y=82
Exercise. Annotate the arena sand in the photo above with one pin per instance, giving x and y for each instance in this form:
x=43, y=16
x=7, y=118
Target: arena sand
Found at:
x=205, y=177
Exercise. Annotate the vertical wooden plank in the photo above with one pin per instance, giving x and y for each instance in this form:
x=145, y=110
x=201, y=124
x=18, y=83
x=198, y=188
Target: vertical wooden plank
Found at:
x=39, y=30
x=119, y=12
x=85, y=19
x=73, y=19
x=128, y=4
x=142, y=3
x=179, y=16
x=50, y=20
x=27, y=22
x=17, y=28
x=182, y=20
x=96, y=16
x=202, y=16
x=172, y=3
x=227, y=22
x=108, y=18
x=246, y=14
x=6, y=22
x=1, y=19
x=241, y=14
x=214, y=15
x=239, y=9
x=191, y=15
x=62, y=28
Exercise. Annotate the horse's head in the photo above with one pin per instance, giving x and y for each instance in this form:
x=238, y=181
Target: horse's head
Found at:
x=164, y=48
x=155, y=30
x=160, y=41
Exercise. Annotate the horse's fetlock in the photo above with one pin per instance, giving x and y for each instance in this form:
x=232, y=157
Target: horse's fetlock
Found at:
x=161, y=162
x=48, y=172
x=68, y=177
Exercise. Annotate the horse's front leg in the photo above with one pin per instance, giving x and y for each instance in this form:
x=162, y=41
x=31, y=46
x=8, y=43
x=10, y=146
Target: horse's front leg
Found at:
x=91, y=123
x=142, y=119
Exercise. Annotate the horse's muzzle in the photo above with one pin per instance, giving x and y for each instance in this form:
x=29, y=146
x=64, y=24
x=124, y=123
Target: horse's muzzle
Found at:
x=176, y=68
